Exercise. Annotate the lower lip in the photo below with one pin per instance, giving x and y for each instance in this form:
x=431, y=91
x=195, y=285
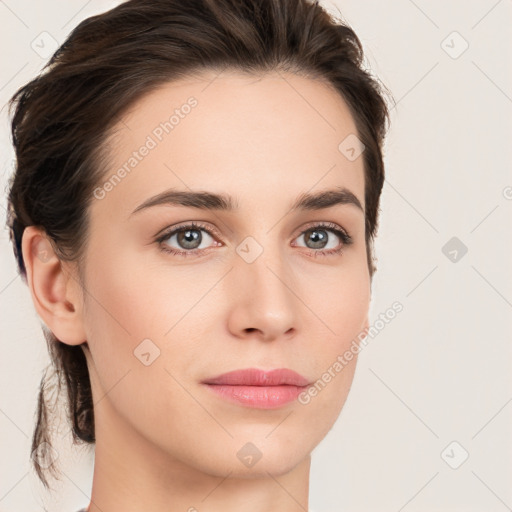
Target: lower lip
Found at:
x=260, y=397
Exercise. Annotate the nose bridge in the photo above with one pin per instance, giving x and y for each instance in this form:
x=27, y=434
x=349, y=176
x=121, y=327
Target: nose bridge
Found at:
x=263, y=274
x=269, y=274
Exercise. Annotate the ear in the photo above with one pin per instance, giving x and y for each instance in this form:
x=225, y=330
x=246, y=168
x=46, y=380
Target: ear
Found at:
x=55, y=291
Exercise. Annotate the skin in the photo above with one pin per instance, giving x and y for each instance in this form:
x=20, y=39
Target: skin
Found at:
x=163, y=441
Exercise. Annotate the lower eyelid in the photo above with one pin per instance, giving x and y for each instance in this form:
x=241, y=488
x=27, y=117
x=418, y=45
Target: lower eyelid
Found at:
x=344, y=237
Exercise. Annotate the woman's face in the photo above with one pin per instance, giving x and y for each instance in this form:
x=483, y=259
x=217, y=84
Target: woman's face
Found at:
x=248, y=288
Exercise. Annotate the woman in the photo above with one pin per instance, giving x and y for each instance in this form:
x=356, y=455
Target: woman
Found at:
x=193, y=210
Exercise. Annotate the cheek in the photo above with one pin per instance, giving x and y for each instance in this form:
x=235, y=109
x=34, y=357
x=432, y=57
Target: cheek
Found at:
x=342, y=304
x=340, y=297
x=118, y=312
x=127, y=315
x=131, y=300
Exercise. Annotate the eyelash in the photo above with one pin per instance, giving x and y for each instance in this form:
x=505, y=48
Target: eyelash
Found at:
x=329, y=226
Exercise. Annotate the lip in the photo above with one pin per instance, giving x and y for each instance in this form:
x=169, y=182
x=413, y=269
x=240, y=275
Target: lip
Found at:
x=258, y=388
x=257, y=377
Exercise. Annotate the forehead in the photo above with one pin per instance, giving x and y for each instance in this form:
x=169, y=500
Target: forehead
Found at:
x=276, y=132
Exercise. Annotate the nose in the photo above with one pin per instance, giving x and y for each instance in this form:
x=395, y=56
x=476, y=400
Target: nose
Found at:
x=263, y=303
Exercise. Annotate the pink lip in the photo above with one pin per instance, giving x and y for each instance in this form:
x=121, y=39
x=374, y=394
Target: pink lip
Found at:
x=257, y=388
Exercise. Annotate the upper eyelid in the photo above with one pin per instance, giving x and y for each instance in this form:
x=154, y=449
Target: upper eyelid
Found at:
x=171, y=231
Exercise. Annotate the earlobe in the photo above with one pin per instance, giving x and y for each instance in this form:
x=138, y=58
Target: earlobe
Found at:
x=54, y=291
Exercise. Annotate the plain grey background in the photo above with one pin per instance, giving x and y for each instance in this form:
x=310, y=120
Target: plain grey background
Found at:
x=427, y=423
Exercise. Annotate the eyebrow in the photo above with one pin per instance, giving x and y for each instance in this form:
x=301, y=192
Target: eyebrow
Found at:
x=223, y=202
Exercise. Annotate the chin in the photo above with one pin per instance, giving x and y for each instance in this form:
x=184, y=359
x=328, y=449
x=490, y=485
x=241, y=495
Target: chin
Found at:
x=257, y=458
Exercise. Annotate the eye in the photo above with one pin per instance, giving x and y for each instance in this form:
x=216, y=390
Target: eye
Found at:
x=325, y=239
x=188, y=239
x=191, y=239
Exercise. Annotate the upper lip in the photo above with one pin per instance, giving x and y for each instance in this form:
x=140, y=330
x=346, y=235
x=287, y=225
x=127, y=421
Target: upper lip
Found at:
x=257, y=377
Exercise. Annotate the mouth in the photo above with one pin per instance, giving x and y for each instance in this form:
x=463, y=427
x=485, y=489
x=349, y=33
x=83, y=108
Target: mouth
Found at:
x=258, y=388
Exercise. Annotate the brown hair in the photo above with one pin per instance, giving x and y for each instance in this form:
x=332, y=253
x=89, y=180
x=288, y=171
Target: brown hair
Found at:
x=62, y=117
